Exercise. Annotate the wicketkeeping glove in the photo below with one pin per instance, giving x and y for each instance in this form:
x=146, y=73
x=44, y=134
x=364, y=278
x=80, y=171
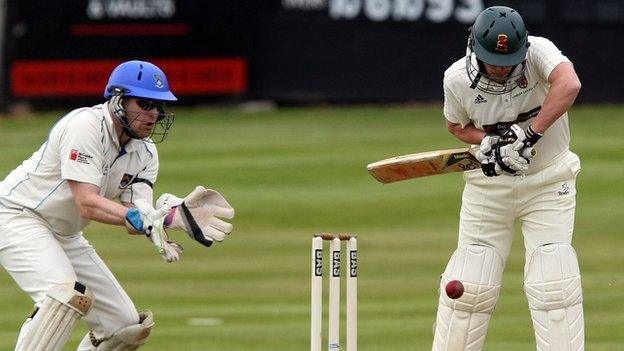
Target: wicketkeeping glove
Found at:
x=197, y=214
x=146, y=220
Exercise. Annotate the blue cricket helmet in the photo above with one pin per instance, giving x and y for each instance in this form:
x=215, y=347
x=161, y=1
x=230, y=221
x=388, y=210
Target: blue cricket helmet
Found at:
x=140, y=79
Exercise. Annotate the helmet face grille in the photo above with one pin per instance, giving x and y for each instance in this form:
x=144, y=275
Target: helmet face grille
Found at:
x=481, y=80
x=161, y=129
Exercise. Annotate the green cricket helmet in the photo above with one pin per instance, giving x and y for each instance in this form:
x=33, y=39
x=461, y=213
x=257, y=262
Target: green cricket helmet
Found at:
x=499, y=38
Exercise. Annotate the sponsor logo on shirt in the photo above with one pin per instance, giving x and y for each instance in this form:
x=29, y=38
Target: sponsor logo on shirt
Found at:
x=522, y=92
x=80, y=157
x=73, y=155
x=501, y=127
x=480, y=99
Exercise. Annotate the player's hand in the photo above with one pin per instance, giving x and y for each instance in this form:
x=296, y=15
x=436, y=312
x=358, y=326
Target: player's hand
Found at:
x=485, y=155
x=531, y=137
x=490, y=168
x=512, y=153
x=198, y=214
x=146, y=220
x=485, y=149
x=168, y=250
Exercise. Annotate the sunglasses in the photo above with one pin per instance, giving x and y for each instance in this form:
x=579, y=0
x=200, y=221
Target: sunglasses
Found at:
x=148, y=105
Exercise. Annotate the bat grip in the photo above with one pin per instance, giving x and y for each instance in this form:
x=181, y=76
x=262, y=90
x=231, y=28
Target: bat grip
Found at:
x=528, y=152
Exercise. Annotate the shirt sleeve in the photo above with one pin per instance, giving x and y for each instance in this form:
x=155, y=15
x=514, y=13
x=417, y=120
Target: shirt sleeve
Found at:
x=545, y=56
x=81, y=149
x=454, y=111
x=143, y=184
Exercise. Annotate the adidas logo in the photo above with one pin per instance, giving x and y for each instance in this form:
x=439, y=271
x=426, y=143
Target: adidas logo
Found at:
x=479, y=99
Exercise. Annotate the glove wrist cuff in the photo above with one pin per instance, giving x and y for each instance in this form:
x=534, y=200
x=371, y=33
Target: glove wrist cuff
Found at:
x=134, y=222
x=532, y=137
x=170, y=216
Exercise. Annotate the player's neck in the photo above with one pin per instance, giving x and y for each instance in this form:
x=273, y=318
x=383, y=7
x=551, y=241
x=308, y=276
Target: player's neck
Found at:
x=122, y=136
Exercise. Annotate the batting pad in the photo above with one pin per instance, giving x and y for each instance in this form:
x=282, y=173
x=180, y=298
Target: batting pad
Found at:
x=52, y=325
x=553, y=288
x=461, y=324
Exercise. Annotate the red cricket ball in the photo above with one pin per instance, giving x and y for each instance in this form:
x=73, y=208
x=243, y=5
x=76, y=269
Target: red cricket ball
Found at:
x=454, y=289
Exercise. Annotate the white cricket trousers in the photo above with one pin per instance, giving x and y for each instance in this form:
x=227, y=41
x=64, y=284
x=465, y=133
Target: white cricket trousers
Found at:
x=38, y=259
x=544, y=202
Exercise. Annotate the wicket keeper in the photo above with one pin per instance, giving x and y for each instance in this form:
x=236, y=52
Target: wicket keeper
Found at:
x=94, y=155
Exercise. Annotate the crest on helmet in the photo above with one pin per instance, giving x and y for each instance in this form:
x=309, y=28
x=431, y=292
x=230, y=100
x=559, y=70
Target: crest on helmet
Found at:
x=158, y=81
x=502, y=44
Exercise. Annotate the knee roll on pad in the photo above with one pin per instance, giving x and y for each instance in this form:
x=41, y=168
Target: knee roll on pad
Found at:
x=461, y=324
x=480, y=269
x=128, y=338
x=53, y=323
x=553, y=288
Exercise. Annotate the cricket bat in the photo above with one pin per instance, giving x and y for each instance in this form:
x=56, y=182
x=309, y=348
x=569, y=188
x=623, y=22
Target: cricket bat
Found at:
x=424, y=164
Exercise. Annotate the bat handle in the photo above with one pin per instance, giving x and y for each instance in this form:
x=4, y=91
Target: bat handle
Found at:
x=528, y=152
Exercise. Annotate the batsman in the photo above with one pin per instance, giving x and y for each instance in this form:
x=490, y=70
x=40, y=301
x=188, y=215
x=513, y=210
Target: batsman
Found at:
x=511, y=92
x=99, y=164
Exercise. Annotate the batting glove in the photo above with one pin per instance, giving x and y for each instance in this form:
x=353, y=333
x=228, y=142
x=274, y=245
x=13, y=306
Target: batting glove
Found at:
x=490, y=168
x=198, y=214
x=485, y=149
x=513, y=152
x=531, y=137
x=485, y=155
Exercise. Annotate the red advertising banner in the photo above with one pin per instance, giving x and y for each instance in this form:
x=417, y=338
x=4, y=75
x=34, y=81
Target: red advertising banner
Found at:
x=80, y=78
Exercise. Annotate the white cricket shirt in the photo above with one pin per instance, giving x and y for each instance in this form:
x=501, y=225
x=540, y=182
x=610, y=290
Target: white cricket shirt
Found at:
x=465, y=105
x=83, y=146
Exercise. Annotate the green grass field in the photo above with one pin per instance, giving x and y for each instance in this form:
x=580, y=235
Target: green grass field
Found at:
x=294, y=172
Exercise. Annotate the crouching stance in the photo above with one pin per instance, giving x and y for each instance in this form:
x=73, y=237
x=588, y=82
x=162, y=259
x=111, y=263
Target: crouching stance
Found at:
x=51, y=325
x=510, y=94
x=100, y=164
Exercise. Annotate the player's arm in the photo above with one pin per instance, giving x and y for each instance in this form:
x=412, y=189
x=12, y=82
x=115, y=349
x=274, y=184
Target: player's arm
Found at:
x=95, y=207
x=142, y=219
x=468, y=134
x=472, y=135
x=564, y=87
x=457, y=120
